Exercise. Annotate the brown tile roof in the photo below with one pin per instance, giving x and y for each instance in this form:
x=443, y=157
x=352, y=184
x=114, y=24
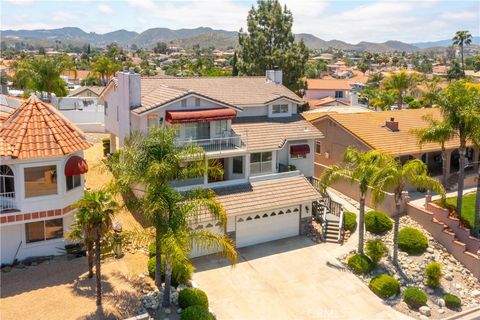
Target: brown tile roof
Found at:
x=263, y=133
x=80, y=74
x=235, y=91
x=266, y=195
x=317, y=113
x=324, y=101
x=370, y=128
x=37, y=130
x=328, y=84
x=95, y=89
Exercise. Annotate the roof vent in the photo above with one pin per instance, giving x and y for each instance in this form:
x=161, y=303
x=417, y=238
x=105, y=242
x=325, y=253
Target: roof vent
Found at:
x=392, y=125
x=125, y=69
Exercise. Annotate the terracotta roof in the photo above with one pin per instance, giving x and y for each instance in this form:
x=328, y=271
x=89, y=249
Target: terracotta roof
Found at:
x=370, y=128
x=328, y=84
x=266, y=195
x=81, y=74
x=37, y=130
x=263, y=133
x=324, y=101
x=95, y=89
x=314, y=114
x=234, y=91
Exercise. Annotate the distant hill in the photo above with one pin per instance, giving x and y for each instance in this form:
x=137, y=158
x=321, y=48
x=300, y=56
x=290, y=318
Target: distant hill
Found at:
x=442, y=43
x=204, y=36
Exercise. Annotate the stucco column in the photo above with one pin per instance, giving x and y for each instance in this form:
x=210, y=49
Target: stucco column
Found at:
x=205, y=175
x=113, y=143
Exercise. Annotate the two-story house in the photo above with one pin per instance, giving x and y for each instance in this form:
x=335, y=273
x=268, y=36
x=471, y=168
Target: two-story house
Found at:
x=328, y=92
x=248, y=124
x=41, y=176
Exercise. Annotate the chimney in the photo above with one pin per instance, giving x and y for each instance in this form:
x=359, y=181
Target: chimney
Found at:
x=274, y=75
x=392, y=125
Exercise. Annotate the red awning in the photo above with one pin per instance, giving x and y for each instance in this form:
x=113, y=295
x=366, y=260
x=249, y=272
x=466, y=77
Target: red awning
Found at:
x=202, y=115
x=300, y=149
x=75, y=166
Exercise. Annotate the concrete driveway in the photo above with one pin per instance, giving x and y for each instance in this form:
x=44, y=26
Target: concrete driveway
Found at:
x=287, y=279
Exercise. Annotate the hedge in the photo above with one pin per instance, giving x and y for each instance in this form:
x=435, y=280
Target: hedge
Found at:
x=196, y=313
x=360, y=264
x=181, y=273
x=377, y=222
x=412, y=241
x=349, y=221
x=415, y=298
x=192, y=297
x=384, y=286
x=452, y=301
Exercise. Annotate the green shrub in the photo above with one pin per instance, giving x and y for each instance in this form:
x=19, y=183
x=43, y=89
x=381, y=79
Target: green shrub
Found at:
x=377, y=222
x=414, y=298
x=360, y=264
x=412, y=241
x=181, y=273
x=152, y=250
x=349, y=221
x=376, y=250
x=192, y=297
x=384, y=286
x=452, y=301
x=414, y=104
x=106, y=146
x=196, y=313
x=433, y=274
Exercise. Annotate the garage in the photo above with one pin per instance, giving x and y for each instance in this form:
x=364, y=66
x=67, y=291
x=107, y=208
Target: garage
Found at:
x=212, y=227
x=268, y=226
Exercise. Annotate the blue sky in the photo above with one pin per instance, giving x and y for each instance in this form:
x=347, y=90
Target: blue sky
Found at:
x=351, y=21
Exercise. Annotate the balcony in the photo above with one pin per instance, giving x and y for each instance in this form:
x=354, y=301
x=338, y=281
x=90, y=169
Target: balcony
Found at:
x=7, y=202
x=234, y=142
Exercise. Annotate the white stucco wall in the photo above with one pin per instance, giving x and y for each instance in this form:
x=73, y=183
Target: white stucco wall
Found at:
x=322, y=93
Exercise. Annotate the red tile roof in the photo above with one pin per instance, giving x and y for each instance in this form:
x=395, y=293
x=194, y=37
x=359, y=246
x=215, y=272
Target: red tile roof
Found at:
x=37, y=130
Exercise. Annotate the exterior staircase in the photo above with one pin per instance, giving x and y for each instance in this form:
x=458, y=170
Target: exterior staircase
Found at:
x=333, y=229
x=452, y=181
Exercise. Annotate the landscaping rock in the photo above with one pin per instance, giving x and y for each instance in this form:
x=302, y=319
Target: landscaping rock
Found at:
x=424, y=310
x=6, y=269
x=441, y=311
x=441, y=303
x=448, y=277
x=476, y=293
x=167, y=310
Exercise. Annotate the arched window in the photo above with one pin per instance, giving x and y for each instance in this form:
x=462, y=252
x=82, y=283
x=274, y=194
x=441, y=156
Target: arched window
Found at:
x=7, y=183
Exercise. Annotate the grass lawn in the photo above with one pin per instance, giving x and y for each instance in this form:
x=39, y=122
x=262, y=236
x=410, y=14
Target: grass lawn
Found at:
x=468, y=207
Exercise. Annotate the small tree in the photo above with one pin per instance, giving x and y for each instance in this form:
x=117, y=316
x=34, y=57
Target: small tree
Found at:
x=376, y=250
x=433, y=274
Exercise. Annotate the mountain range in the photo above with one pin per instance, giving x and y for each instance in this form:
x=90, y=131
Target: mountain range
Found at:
x=204, y=36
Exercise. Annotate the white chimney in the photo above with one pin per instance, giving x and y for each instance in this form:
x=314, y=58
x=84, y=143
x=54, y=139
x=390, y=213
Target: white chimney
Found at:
x=129, y=82
x=275, y=75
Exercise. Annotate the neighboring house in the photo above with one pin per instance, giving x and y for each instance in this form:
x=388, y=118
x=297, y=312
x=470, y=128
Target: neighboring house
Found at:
x=88, y=91
x=75, y=77
x=387, y=131
x=249, y=125
x=8, y=104
x=320, y=89
x=439, y=70
x=41, y=176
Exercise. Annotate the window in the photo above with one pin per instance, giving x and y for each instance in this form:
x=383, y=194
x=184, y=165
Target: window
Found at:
x=197, y=131
x=40, y=181
x=298, y=156
x=197, y=102
x=73, y=181
x=280, y=108
x=44, y=230
x=237, y=165
x=339, y=94
x=105, y=107
x=184, y=103
x=7, y=183
x=261, y=162
x=220, y=128
x=318, y=147
x=117, y=114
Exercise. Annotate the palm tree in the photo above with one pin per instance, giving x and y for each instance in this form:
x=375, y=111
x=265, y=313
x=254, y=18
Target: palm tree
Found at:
x=476, y=219
x=430, y=95
x=392, y=175
x=97, y=207
x=83, y=229
x=398, y=84
x=104, y=68
x=437, y=131
x=43, y=75
x=357, y=167
x=153, y=160
x=458, y=105
x=461, y=39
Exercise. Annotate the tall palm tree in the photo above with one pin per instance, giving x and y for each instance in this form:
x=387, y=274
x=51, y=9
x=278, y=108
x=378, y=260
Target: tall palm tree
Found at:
x=430, y=95
x=43, y=75
x=399, y=83
x=393, y=176
x=97, y=207
x=461, y=39
x=476, y=219
x=84, y=230
x=357, y=167
x=104, y=68
x=437, y=131
x=458, y=105
x=153, y=160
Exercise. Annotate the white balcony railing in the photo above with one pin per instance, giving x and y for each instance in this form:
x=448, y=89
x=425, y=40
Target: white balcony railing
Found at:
x=214, y=144
x=7, y=201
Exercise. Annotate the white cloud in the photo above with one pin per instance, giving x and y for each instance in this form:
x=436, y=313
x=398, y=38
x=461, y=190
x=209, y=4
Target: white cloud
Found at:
x=458, y=16
x=105, y=9
x=21, y=3
x=63, y=16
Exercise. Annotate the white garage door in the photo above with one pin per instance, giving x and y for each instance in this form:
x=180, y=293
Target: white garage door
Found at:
x=268, y=226
x=211, y=226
